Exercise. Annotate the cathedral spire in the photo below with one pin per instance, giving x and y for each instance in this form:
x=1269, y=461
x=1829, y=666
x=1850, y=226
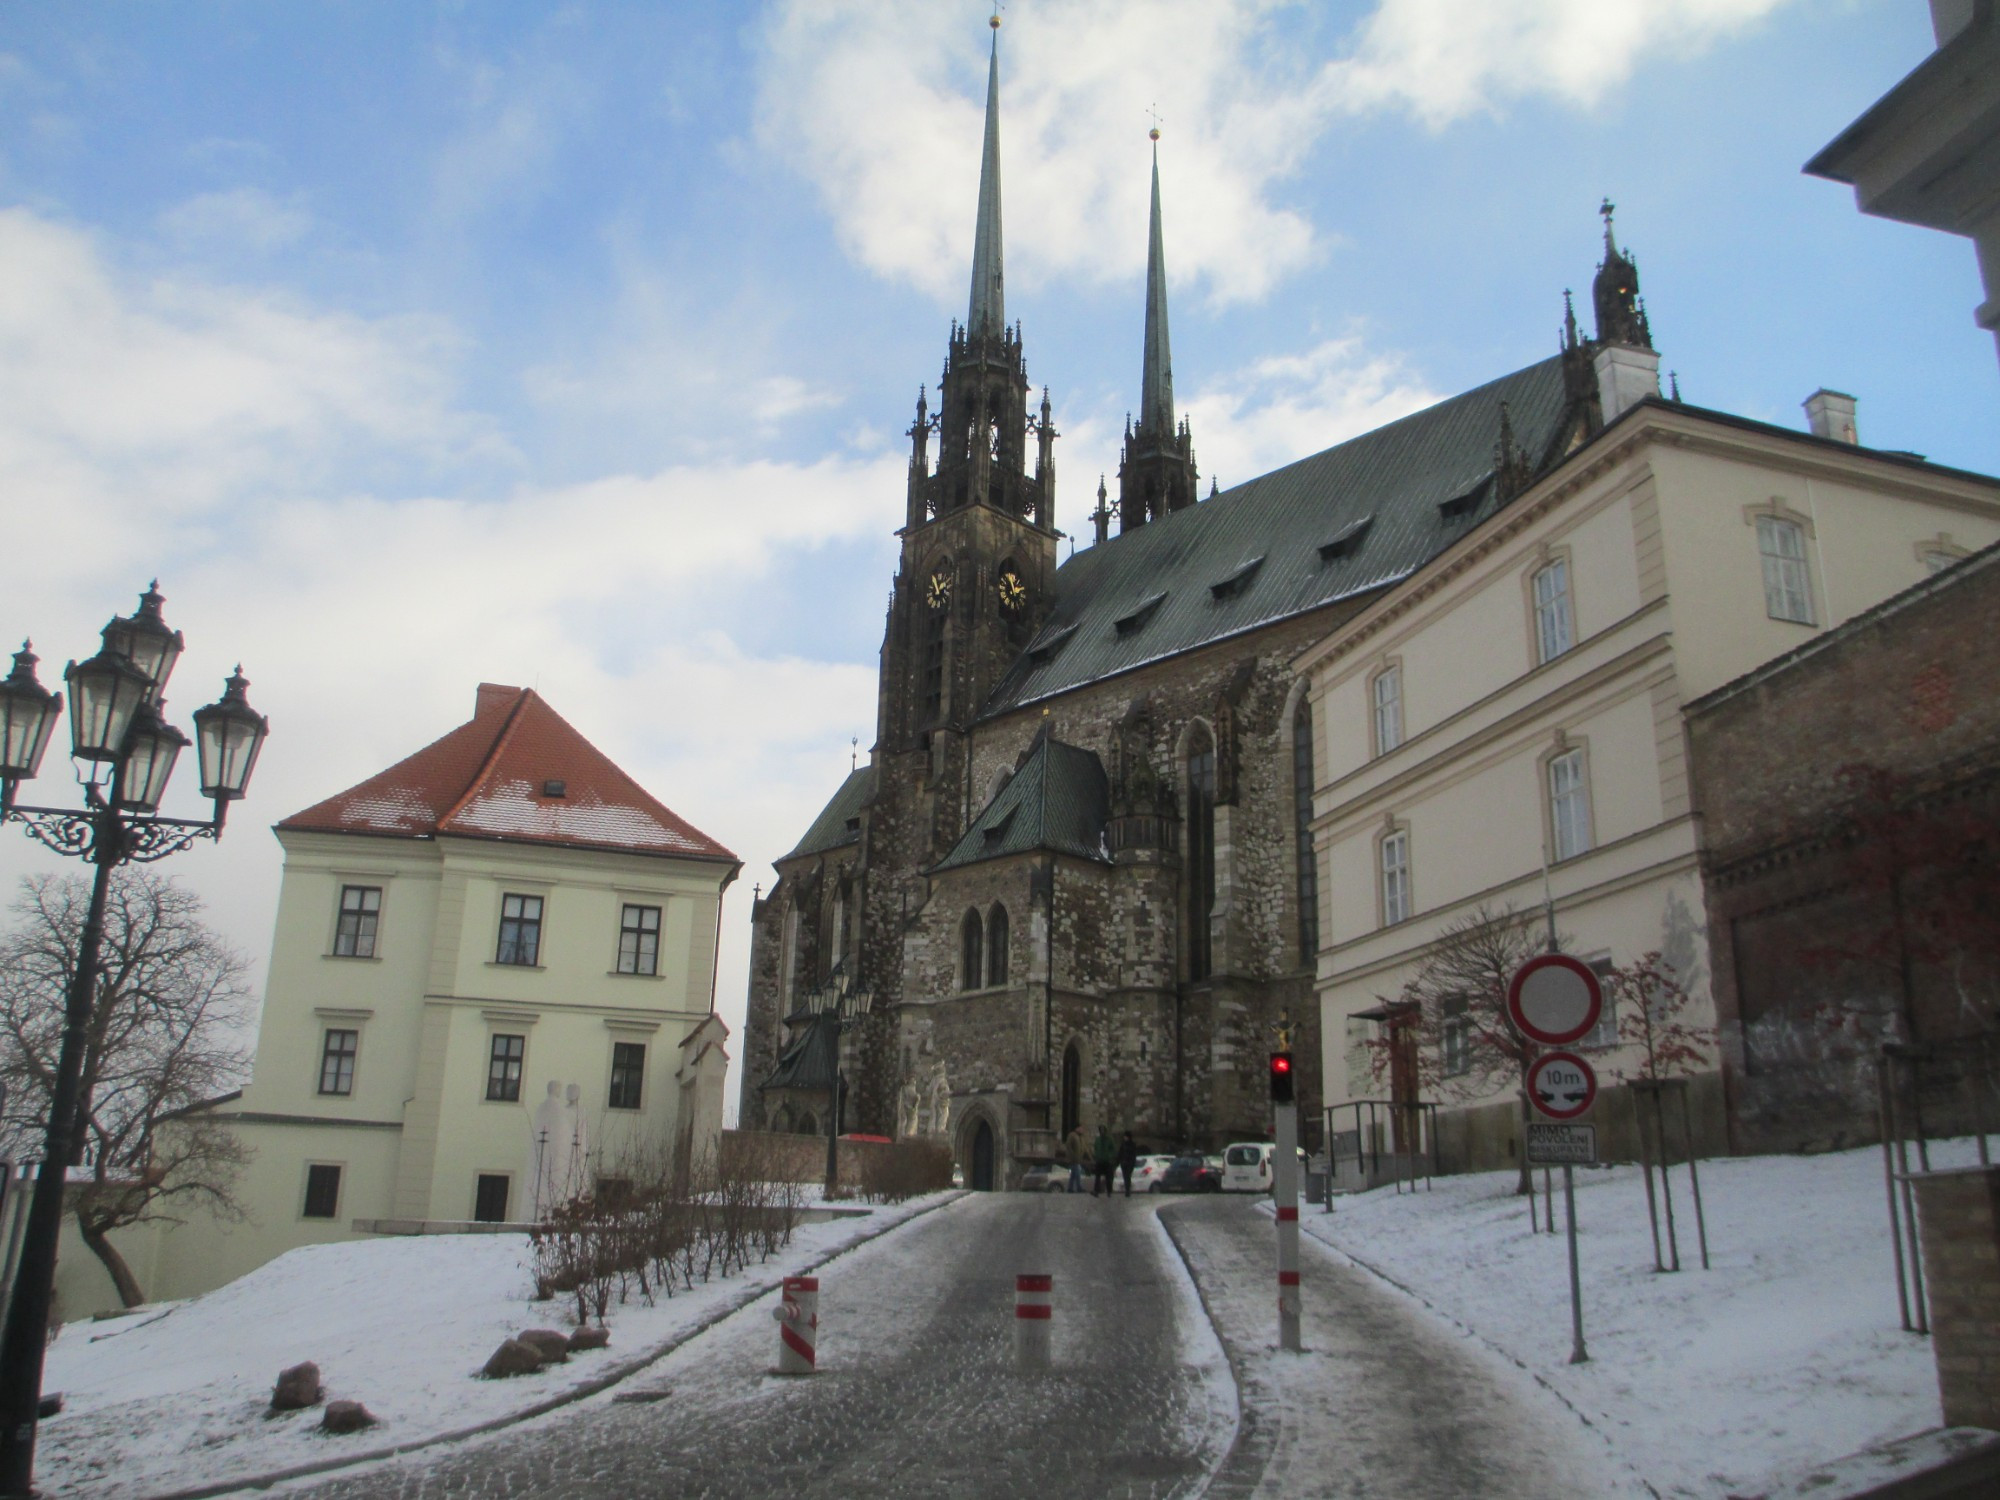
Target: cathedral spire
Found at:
x=989, y=303
x=1156, y=383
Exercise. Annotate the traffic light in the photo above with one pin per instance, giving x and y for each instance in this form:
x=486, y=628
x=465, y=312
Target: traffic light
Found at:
x=1281, y=1078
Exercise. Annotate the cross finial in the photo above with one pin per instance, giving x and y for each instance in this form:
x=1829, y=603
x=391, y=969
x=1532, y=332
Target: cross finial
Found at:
x=853, y=751
x=1607, y=208
x=1153, y=114
x=994, y=20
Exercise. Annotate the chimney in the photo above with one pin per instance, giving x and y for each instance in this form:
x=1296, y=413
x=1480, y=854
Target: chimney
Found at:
x=1625, y=376
x=1830, y=414
x=492, y=697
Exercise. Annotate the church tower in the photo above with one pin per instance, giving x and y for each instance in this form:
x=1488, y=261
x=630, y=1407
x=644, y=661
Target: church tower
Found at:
x=1156, y=472
x=978, y=538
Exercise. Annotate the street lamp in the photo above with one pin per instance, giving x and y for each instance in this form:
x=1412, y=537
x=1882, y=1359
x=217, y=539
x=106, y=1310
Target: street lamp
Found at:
x=117, y=720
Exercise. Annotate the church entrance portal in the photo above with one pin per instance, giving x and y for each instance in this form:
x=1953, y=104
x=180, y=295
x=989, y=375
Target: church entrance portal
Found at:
x=982, y=1158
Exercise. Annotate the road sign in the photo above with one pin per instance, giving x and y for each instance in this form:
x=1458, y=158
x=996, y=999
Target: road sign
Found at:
x=1562, y=1145
x=1554, y=999
x=1561, y=1085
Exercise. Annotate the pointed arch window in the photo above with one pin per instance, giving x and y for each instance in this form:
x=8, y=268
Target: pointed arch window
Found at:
x=1072, y=1089
x=971, y=970
x=1302, y=813
x=996, y=945
x=1201, y=849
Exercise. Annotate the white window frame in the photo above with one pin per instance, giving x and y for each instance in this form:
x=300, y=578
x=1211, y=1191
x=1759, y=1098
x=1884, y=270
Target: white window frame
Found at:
x=1455, y=1041
x=1787, y=576
x=1554, y=610
x=1394, y=876
x=1385, y=697
x=1605, y=1032
x=1569, y=805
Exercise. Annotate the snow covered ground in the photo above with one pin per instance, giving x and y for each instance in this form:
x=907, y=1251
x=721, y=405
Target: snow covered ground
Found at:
x=1789, y=1351
x=174, y=1398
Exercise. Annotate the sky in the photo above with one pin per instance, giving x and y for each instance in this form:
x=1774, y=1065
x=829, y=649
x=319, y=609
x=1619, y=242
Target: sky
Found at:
x=414, y=345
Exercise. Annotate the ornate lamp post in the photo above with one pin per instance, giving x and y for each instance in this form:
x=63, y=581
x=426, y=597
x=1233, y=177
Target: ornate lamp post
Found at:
x=128, y=750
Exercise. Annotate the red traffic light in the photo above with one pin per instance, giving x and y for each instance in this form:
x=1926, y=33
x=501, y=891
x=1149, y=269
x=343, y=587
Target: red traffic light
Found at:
x=1281, y=1078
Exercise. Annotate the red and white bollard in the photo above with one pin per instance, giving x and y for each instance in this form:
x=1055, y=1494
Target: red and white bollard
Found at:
x=1285, y=1190
x=798, y=1325
x=1033, y=1315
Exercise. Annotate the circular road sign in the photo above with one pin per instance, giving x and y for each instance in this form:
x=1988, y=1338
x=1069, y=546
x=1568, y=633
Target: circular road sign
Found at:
x=1554, y=999
x=1561, y=1085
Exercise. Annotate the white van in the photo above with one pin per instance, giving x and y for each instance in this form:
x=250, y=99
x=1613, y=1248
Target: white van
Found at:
x=1246, y=1167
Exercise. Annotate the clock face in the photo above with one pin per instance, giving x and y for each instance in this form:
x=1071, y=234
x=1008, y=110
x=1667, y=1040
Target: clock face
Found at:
x=938, y=593
x=1013, y=592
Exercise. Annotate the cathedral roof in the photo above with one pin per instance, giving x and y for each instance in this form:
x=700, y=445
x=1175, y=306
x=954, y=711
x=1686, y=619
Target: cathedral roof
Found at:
x=1358, y=516
x=1058, y=800
x=810, y=1061
x=516, y=771
x=839, y=822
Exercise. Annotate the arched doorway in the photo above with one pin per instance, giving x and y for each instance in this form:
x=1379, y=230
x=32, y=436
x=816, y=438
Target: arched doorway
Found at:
x=1072, y=1089
x=982, y=1158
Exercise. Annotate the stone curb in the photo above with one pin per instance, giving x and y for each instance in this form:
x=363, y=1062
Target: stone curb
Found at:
x=594, y=1386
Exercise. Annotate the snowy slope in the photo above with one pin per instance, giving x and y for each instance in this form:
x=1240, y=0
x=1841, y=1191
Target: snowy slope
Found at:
x=1789, y=1351
x=162, y=1401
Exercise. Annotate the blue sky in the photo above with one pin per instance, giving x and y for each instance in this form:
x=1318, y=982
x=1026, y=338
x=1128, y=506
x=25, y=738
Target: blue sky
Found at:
x=413, y=345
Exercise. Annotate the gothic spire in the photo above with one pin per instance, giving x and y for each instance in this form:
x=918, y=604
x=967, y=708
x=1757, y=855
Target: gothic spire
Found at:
x=989, y=305
x=1156, y=383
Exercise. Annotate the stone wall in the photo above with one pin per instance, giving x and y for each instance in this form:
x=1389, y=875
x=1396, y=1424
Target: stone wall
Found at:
x=1839, y=792
x=1958, y=1215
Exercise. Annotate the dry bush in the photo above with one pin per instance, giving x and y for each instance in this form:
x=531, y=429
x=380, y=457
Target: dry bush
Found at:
x=908, y=1169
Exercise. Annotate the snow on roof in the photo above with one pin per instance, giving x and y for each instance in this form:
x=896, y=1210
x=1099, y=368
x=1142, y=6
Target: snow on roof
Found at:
x=516, y=771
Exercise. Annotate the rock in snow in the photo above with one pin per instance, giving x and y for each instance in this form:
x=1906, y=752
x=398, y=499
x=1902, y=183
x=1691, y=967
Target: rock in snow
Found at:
x=297, y=1388
x=512, y=1358
x=346, y=1416
x=588, y=1337
x=552, y=1346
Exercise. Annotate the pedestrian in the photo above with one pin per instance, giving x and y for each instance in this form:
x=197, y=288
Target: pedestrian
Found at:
x=1105, y=1151
x=1075, y=1150
x=1128, y=1158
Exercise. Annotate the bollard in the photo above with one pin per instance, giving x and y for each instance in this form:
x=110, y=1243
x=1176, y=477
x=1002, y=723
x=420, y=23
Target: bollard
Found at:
x=798, y=1325
x=1032, y=1316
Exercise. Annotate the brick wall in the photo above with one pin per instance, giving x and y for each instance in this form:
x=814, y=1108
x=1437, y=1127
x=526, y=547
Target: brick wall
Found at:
x=1958, y=1215
x=1828, y=901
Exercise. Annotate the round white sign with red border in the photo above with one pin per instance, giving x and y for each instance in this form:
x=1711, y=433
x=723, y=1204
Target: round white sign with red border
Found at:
x=1561, y=1085
x=1554, y=999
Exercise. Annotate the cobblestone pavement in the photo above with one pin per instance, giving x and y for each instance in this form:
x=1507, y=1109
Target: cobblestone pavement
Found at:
x=915, y=1396
x=1384, y=1401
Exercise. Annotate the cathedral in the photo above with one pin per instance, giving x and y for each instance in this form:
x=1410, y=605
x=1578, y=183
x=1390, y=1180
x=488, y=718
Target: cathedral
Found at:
x=1073, y=884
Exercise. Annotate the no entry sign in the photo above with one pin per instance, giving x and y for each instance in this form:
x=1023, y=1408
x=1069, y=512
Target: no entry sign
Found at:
x=1561, y=1085
x=1554, y=999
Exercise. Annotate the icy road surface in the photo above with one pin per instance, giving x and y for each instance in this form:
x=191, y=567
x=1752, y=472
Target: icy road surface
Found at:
x=916, y=1395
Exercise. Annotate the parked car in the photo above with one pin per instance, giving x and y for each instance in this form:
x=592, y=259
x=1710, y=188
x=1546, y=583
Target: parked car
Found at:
x=1147, y=1174
x=1045, y=1177
x=1246, y=1167
x=1191, y=1174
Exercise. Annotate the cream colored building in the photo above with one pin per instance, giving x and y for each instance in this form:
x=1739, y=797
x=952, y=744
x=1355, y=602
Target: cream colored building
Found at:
x=1515, y=704
x=501, y=915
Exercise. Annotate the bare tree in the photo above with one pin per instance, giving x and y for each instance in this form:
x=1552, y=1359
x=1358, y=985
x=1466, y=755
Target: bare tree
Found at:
x=166, y=1034
x=1448, y=1030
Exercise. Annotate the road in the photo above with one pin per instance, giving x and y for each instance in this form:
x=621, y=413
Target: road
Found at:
x=917, y=1396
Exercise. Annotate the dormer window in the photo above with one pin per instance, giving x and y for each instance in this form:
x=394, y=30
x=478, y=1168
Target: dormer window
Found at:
x=1347, y=541
x=1130, y=623
x=555, y=789
x=1237, y=581
x=1464, y=504
x=1043, y=651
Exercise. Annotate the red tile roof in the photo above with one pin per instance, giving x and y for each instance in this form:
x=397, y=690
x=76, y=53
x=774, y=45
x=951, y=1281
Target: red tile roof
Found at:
x=492, y=778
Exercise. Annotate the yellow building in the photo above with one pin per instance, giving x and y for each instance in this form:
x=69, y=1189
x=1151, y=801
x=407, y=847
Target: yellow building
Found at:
x=1504, y=725
x=491, y=986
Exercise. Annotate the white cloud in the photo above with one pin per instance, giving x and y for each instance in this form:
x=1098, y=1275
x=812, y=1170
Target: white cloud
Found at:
x=236, y=220
x=1287, y=406
x=879, y=103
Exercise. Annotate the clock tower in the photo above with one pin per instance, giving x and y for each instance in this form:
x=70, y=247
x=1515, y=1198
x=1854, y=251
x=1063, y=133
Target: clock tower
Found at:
x=978, y=541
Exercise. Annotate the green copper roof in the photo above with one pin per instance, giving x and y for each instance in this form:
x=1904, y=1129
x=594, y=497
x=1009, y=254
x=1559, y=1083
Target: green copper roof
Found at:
x=808, y=1063
x=1340, y=523
x=839, y=822
x=1059, y=800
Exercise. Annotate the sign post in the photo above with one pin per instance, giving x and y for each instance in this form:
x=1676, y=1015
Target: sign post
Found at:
x=1556, y=1000
x=1285, y=1189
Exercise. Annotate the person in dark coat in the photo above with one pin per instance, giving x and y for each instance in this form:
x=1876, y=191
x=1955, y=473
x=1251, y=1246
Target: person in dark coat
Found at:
x=1104, y=1152
x=1128, y=1158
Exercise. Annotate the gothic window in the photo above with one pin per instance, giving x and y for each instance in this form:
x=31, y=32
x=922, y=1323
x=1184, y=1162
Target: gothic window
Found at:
x=1201, y=849
x=970, y=969
x=1302, y=812
x=843, y=921
x=1072, y=1089
x=808, y=1123
x=996, y=946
